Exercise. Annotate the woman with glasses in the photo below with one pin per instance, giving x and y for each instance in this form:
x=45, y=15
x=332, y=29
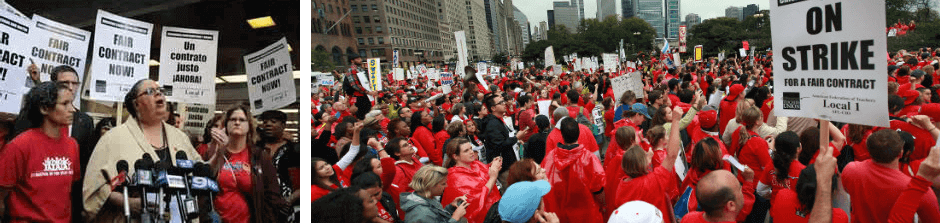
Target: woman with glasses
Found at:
x=246, y=176
x=144, y=132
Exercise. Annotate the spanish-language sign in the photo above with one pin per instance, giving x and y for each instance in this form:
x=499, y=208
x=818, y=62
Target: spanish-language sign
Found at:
x=698, y=53
x=610, y=62
x=447, y=79
x=121, y=55
x=375, y=74
x=629, y=82
x=831, y=63
x=14, y=45
x=197, y=116
x=549, y=56
x=187, y=64
x=270, y=78
x=55, y=44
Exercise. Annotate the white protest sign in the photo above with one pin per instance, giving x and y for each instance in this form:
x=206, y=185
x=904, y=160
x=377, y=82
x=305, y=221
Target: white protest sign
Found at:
x=556, y=70
x=678, y=61
x=433, y=74
x=833, y=65
x=721, y=56
x=55, y=44
x=270, y=78
x=399, y=74
x=325, y=79
x=629, y=82
x=482, y=81
x=187, y=64
x=14, y=46
x=461, y=39
x=742, y=52
x=481, y=68
x=577, y=64
x=543, y=107
x=610, y=62
x=549, y=56
x=196, y=117
x=121, y=55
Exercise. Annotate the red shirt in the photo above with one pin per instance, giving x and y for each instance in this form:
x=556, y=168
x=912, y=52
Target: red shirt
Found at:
x=585, y=138
x=787, y=208
x=726, y=112
x=697, y=217
x=790, y=183
x=614, y=172
x=437, y=154
x=39, y=172
x=234, y=182
x=753, y=153
x=653, y=188
x=923, y=140
x=875, y=188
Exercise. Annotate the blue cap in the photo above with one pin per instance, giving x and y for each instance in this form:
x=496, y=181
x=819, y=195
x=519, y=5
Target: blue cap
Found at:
x=640, y=108
x=522, y=199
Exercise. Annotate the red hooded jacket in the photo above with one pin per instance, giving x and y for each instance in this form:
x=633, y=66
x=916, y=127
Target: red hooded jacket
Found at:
x=575, y=176
x=471, y=182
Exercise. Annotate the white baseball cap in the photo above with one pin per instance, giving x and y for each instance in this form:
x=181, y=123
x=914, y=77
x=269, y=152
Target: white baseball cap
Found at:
x=636, y=211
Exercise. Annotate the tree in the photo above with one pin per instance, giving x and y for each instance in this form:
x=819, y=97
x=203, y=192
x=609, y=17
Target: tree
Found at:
x=320, y=60
x=500, y=59
x=716, y=35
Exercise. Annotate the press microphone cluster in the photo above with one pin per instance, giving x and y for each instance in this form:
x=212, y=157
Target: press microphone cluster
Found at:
x=163, y=184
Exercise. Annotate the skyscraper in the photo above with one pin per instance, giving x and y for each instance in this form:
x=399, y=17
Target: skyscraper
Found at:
x=580, y=5
x=672, y=18
x=652, y=12
x=750, y=10
x=551, y=19
x=479, y=39
x=734, y=12
x=692, y=19
x=627, y=8
x=543, y=30
x=606, y=8
x=382, y=27
x=523, y=23
x=566, y=14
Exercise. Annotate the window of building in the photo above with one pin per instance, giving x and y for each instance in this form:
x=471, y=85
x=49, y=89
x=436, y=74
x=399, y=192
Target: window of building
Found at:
x=368, y=30
x=365, y=19
x=376, y=18
x=355, y=8
x=381, y=40
x=360, y=41
x=375, y=7
x=371, y=41
x=331, y=8
x=358, y=30
x=362, y=53
x=378, y=29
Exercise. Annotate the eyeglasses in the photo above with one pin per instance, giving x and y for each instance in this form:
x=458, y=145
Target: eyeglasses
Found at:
x=501, y=102
x=152, y=91
x=238, y=120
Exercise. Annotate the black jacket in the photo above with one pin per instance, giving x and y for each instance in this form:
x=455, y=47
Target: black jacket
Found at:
x=535, y=147
x=497, y=141
x=390, y=207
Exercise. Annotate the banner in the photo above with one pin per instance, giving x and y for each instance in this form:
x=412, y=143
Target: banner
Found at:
x=682, y=39
x=375, y=74
x=549, y=57
x=629, y=82
x=121, y=55
x=447, y=79
x=187, y=64
x=745, y=45
x=461, y=39
x=325, y=79
x=698, y=53
x=14, y=45
x=55, y=44
x=610, y=62
x=270, y=78
x=196, y=117
x=395, y=59
x=842, y=77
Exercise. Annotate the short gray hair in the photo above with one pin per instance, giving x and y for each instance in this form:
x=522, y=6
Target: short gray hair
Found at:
x=559, y=113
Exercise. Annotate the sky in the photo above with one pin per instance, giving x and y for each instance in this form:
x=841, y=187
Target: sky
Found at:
x=535, y=10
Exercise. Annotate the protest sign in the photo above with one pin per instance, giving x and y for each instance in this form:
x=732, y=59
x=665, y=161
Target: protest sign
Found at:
x=549, y=57
x=270, y=78
x=399, y=74
x=543, y=107
x=629, y=82
x=188, y=61
x=395, y=59
x=698, y=53
x=197, y=116
x=742, y=52
x=447, y=79
x=325, y=79
x=461, y=38
x=556, y=70
x=829, y=60
x=745, y=45
x=121, y=55
x=682, y=39
x=375, y=74
x=55, y=44
x=610, y=62
x=433, y=74
x=14, y=46
x=721, y=56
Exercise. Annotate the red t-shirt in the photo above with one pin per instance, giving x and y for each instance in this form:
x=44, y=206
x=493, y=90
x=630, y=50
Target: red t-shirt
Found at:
x=39, y=170
x=696, y=217
x=653, y=188
x=234, y=182
x=753, y=153
x=790, y=183
x=787, y=208
x=874, y=190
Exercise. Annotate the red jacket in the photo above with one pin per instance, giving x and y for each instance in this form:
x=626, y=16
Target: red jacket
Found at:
x=437, y=154
x=653, y=188
x=753, y=153
x=471, y=182
x=585, y=138
x=575, y=176
x=923, y=140
x=425, y=140
x=726, y=112
x=614, y=172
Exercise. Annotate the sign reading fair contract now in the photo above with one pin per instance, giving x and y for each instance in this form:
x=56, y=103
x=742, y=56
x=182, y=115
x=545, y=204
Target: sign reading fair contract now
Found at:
x=830, y=61
x=121, y=53
x=14, y=47
x=270, y=78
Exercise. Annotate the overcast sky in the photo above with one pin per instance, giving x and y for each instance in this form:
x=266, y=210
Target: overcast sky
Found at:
x=536, y=10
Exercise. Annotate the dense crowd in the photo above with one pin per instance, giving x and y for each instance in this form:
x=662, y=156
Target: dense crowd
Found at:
x=699, y=143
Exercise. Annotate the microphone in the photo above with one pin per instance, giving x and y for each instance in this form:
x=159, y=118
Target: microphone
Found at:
x=185, y=166
x=122, y=178
x=144, y=179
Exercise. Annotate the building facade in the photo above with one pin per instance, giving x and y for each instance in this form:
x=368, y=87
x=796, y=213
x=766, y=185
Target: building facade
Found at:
x=606, y=8
x=340, y=41
x=523, y=23
x=410, y=27
x=692, y=19
x=566, y=14
x=627, y=9
x=750, y=10
x=452, y=17
x=479, y=38
x=734, y=12
x=673, y=20
x=652, y=12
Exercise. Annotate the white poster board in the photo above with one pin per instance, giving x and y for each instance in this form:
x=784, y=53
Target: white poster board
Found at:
x=196, y=117
x=121, y=55
x=556, y=70
x=461, y=38
x=549, y=57
x=629, y=82
x=325, y=79
x=55, y=44
x=399, y=74
x=543, y=107
x=742, y=52
x=610, y=62
x=14, y=45
x=270, y=78
x=187, y=64
x=447, y=79
x=852, y=90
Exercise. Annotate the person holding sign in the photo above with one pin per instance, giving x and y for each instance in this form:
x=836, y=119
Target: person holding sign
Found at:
x=144, y=132
x=353, y=88
x=39, y=165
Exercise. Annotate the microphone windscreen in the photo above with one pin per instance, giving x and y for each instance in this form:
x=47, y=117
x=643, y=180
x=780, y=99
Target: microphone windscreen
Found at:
x=180, y=155
x=122, y=166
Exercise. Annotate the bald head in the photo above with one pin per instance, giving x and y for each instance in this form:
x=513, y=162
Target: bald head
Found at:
x=559, y=113
x=714, y=192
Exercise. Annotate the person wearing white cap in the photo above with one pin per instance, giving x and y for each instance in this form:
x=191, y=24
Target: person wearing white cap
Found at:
x=635, y=212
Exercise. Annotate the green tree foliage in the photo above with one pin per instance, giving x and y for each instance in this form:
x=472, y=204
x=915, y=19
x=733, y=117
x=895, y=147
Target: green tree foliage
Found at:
x=594, y=37
x=923, y=13
x=320, y=60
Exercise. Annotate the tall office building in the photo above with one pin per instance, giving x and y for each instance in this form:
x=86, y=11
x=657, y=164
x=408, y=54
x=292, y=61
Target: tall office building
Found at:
x=543, y=30
x=340, y=41
x=551, y=18
x=750, y=10
x=580, y=5
x=479, y=39
x=411, y=27
x=627, y=9
x=672, y=18
x=452, y=17
x=692, y=19
x=566, y=14
x=652, y=12
x=523, y=23
x=734, y=12
x=606, y=8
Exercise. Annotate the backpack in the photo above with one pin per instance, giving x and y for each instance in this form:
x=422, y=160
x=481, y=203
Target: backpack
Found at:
x=581, y=119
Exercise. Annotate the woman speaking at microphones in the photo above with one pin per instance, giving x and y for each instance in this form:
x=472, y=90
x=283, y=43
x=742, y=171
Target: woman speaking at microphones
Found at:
x=38, y=167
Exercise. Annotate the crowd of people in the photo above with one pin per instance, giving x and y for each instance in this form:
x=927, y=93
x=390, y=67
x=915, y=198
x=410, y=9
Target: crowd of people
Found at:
x=699, y=143
x=59, y=166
